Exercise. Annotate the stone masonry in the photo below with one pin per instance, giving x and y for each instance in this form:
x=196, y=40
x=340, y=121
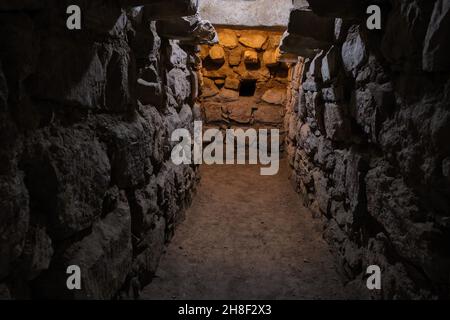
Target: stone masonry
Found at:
x=85, y=122
x=368, y=139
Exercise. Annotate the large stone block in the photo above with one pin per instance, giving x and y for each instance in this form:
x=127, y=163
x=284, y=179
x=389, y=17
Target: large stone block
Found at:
x=249, y=14
x=173, y=182
x=217, y=54
x=149, y=93
x=104, y=257
x=14, y=220
x=253, y=39
x=315, y=110
x=232, y=83
x=165, y=10
x=437, y=44
x=146, y=44
x=274, y=96
x=178, y=58
x=396, y=207
x=228, y=38
x=11, y=5
x=251, y=57
x=403, y=40
x=353, y=51
x=330, y=65
x=3, y=90
x=151, y=249
x=144, y=209
x=152, y=124
x=214, y=72
x=37, y=252
x=88, y=75
x=337, y=125
x=333, y=93
x=241, y=113
x=321, y=191
x=209, y=88
x=68, y=172
x=234, y=57
x=315, y=67
x=262, y=74
x=213, y=111
x=190, y=29
x=304, y=22
x=269, y=114
x=354, y=181
x=370, y=106
x=271, y=57
x=227, y=95
x=129, y=148
x=178, y=82
x=342, y=9
x=304, y=47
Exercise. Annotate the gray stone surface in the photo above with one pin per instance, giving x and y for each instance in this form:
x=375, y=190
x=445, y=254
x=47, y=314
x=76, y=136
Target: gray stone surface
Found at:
x=85, y=122
x=377, y=167
x=246, y=13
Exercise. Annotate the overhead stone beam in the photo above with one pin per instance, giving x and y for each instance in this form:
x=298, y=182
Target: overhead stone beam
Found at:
x=305, y=47
x=12, y=5
x=303, y=22
x=192, y=29
x=245, y=13
x=339, y=9
x=164, y=9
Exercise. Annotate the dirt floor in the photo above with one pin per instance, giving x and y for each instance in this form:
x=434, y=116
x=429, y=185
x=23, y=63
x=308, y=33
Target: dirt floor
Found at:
x=246, y=236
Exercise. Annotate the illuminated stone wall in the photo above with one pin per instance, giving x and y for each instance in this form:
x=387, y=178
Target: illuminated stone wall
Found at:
x=244, y=83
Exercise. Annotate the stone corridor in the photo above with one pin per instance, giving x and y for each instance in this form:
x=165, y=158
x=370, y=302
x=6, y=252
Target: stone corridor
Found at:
x=87, y=178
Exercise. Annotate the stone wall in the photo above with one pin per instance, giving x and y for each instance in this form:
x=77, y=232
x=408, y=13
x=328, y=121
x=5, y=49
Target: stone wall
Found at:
x=85, y=121
x=244, y=83
x=246, y=13
x=368, y=139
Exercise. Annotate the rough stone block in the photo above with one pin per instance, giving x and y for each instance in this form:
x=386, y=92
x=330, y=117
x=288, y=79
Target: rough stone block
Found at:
x=329, y=65
x=298, y=45
x=234, y=57
x=336, y=123
x=232, y=83
x=274, y=96
x=241, y=113
x=165, y=10
x=253, y=39
x=209, y=89
x=217, y=54
x=213, y=111
x=251, y=57
x=228, y=38
x=353, y=51
x=269, y=114
x=227, y=95
x=436, y=46
x=14, y=221
x=304, y=22
x=271, y=57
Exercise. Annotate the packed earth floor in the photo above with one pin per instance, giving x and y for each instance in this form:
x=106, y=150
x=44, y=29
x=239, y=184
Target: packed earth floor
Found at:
x=246, y=236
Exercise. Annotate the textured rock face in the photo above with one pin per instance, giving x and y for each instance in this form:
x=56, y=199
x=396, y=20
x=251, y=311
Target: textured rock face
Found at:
x=261, y=13
x=366, y=142
x=85, y=121
x=244, y=81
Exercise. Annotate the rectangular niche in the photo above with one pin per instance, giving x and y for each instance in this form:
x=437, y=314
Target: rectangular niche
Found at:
x=247, y=88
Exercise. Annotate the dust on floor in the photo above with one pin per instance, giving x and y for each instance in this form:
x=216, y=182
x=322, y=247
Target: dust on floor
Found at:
x=246, y=236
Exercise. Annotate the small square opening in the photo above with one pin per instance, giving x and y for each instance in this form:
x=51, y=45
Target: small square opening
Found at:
x=247, y=88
